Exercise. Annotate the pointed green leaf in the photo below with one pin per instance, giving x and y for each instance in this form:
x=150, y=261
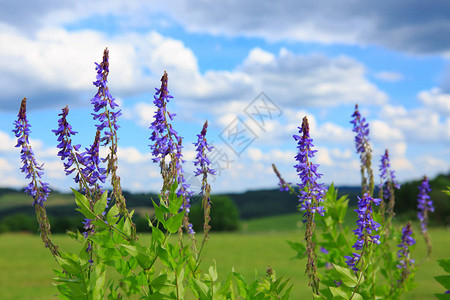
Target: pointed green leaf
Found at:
x=242, y=284
x=159, y=214
x=113, y=215
x=338, y=292
x=445, y=264
x=174, y=223
x=157, y=235
x=347, y=277
x=201, y=288
x=213, y=273
x=83, y=204
x=100, y=205
x=444, y=280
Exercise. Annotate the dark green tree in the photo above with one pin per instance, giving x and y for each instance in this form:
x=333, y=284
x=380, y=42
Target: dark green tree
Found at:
x=224, y=215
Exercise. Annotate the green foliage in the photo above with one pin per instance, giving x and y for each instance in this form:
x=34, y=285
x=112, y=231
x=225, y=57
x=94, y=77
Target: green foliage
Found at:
x=444, y=280
x=224, y=215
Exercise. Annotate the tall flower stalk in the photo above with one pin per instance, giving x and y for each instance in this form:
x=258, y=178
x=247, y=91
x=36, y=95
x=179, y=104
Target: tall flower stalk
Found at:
x=311, y=194
x=203, y=169
x=363, y=148
x=37, y=188
x=104, y=106
x=425, y=205
x=405, y=261
x=365, y=230
x=387, y=186
x=167, y=144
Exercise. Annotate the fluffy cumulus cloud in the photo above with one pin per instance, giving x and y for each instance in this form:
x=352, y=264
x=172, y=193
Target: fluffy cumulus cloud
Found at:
x=412, y=26
x=420, y=125
x=55, y=66
x=317, y=81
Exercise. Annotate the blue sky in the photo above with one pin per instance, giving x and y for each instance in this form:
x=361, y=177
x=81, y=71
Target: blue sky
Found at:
x=225, y=59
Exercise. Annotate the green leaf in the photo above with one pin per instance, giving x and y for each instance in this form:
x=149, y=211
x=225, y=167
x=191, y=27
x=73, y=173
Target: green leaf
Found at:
x=157, y=235
x=445, y=264
x=213, y=273
x=347, y=277
x=113, y=215
x=83, y=204
x=159, y=282
x=242, y=284
x=300, y=248
x=159, y=214
x=100, y=205
x=166, y=258
x=443, y=296
x=174, y=223
x=338, y=292
x=444, y=280
x=78, y=236
x=69, y=266
x=342, y=208
x=127, y=227
x=201, y=288
x=142, y=255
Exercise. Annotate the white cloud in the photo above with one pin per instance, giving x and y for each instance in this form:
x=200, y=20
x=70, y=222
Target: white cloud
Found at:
x=7, y=142
x=436, y=100
x=389, y=76
x=416, y=125
x=58, y=65
x=132, y=155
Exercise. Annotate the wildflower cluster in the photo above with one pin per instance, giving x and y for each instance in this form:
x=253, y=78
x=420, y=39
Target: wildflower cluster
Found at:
x=311, y=193
x=103, y=99
x=387, y=176
x=38, y=189
x=366, y=227
x=403, y=254
x=387, y=185
x=203, y=168
x=425, y=205
x=361, y=128
x=167, y=142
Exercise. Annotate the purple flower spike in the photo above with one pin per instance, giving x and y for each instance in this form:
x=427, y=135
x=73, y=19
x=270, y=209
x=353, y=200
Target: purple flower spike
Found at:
x=163, y=135
x=424, y=203
x=407, y=240
x=365, y=230
x=103, y=99
x=203, y=168
x=92, y=171
x=38, y=189
x=361, y=128
x=387, y=177
x=64, y=132
x=365, y=222
x=311, y=192
x=201, y=161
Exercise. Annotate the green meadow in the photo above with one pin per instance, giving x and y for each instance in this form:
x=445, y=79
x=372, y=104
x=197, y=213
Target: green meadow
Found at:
x=27, y=266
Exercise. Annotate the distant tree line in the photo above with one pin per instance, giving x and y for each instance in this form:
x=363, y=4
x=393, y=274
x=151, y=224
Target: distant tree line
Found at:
x=226, y=211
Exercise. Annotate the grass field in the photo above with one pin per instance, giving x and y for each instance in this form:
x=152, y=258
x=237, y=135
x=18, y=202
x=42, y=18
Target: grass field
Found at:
x=26, y=266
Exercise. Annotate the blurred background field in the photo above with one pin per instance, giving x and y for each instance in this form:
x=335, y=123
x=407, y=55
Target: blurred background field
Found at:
x=251, y=233
x=27, y=266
